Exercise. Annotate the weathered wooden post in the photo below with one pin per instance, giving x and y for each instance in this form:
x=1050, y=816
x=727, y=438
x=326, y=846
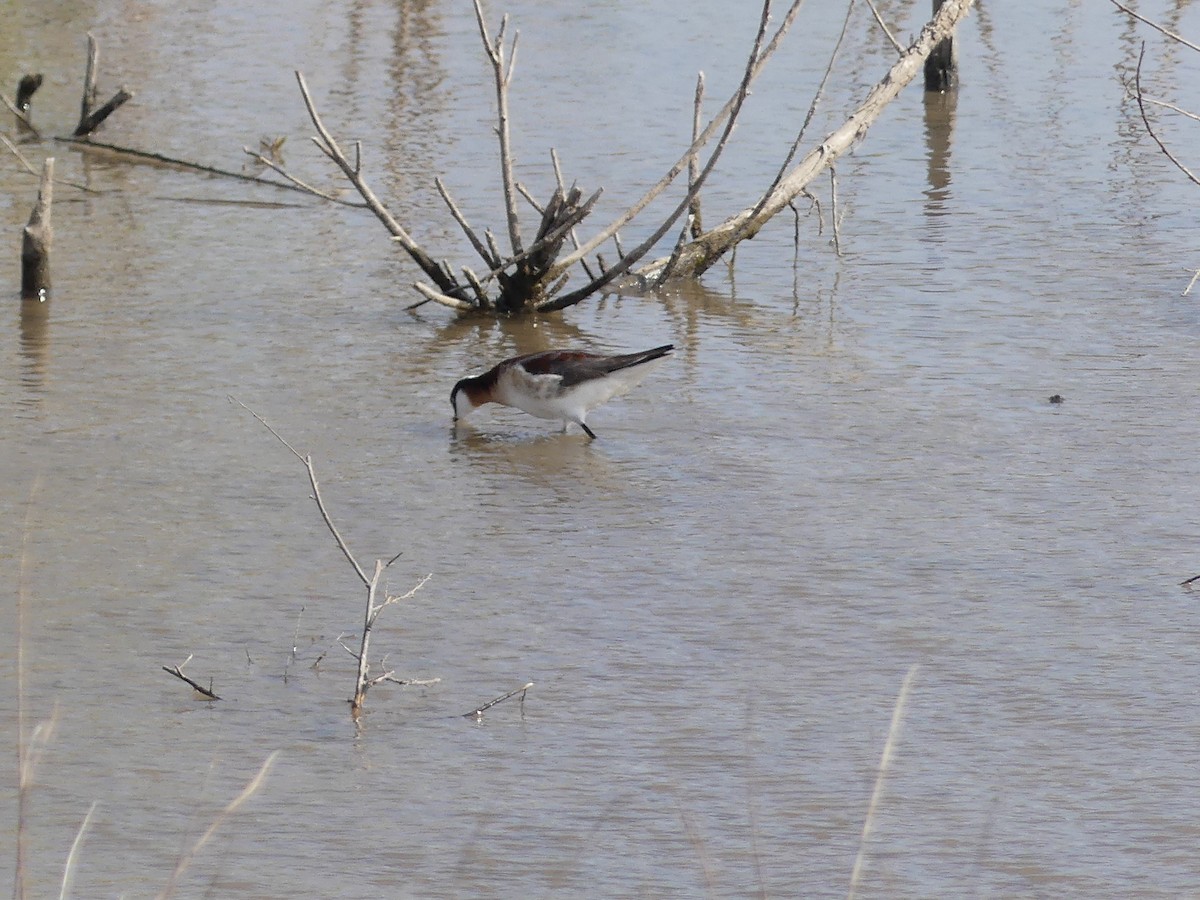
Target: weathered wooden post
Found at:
x=35, y=248
x=941, y=66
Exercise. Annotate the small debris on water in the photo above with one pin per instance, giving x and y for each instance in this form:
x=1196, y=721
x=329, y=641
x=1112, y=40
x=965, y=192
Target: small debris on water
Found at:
x=1056, y=398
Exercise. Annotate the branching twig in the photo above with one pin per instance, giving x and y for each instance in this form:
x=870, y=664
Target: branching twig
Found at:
x=482, y=250
x=312, y=480
x=883, y=25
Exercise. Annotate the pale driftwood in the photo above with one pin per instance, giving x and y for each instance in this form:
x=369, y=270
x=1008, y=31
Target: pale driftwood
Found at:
x=38, y=239
x=701, y=254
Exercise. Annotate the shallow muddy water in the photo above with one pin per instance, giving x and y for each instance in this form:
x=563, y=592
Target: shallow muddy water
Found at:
x=851, y=467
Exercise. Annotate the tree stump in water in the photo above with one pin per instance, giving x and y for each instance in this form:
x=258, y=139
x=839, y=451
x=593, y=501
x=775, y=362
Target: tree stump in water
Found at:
x=35, y=248
x=941, y=66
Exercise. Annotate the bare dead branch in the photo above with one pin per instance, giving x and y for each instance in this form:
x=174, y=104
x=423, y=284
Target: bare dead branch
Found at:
x=312, y=480
x=502, y=77
x=97, y=116
x=89, y=79
x=558, y=177
x=28, y=167
x=694, y=160
x=808, y=117
x=482, y=250
x=438, y=297
x=478, y=712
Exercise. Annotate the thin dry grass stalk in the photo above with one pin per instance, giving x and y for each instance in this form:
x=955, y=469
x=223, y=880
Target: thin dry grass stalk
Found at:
x=885, y=764
x=233, y=806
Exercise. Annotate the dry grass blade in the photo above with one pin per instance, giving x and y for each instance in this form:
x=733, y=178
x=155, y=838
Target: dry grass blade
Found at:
x=73, y=855
x=885, y=763
x=234, y=805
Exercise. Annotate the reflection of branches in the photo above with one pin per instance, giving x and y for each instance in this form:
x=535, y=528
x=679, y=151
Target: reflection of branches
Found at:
x=1137, y=81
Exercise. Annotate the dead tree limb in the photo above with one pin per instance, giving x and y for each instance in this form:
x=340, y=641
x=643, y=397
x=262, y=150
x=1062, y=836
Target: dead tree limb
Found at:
x=698, y=256
x=91, y=116
x=28, y=167
x=38, y=240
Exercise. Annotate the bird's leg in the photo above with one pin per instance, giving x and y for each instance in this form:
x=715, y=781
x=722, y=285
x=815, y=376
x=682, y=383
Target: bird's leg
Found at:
x=591, y=434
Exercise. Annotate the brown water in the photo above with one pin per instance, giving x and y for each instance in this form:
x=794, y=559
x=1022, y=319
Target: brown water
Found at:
x=850, y=467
